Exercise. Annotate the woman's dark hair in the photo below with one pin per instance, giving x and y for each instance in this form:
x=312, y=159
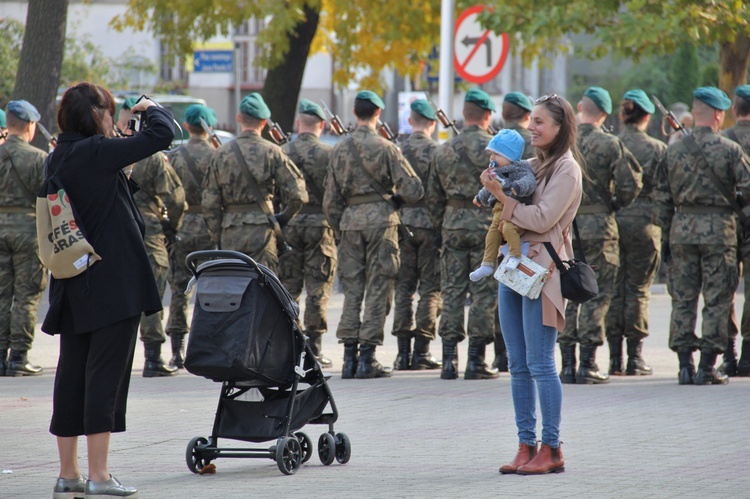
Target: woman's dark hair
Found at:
x=82, y=108
x=631, y=113
x=364, y=109
x=562, y=113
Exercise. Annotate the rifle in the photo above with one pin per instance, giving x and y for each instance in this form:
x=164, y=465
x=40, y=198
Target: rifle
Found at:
x=444, y=120
x=669, y=116
x=336, y=126
x=277, y=133
x=491, y=130
x=52, y=141
x=214, y=138
x=385, y=131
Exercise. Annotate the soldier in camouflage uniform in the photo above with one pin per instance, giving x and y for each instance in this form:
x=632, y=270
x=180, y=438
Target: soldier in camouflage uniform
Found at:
x=190, y=162
x=612, y=180
x=312, y=262
x=22, y=276
x=364, y=170
x=3, y=127
x=702, y=231
x=234, y=215
x=420, y=257
x=452, y=184
x=740, y=133
x=640, y=243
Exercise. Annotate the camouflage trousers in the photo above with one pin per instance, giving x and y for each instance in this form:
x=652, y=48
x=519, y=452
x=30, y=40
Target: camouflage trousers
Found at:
x=152, y=329
x=462, y=253
x=368, y=266
x=585, y=323
x=640, y=255
x=256, y=241
x=420, y=272
x=744, y=271
x=22, y=282
x=711, y=268
x=310, y=265
x=179, y=276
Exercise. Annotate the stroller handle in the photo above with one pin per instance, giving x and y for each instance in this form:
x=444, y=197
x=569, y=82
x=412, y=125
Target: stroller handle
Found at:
x=192, y=259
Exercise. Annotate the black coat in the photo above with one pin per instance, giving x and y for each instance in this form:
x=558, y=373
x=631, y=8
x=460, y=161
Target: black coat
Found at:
x=122, y=284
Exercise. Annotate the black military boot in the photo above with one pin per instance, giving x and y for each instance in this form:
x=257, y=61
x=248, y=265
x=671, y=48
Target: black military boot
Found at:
x=615, y=356
x=687, y=368
x=422, y=359
x=404, y=353
x=3, y=361
x=351, y=358
x=450, y=360
x=475, y=366
x=501, y=355
x=19, y=365
x=568, y=372
x=178, y=350
x=155, y=367
x=588, y=372
x=729, y=365
x=636, y=364
x=368, y=366
x=315, y=342
x=706, y=374
x=743, y=366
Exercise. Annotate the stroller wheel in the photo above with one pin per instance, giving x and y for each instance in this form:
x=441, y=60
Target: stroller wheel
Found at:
x=343, y=448
x=288, y=455
x=326, y=448
x=194, y=456
x=306, y=444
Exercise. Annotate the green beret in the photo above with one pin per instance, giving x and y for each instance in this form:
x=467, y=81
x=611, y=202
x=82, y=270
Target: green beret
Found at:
x=423, y=107
x=600, y=97
x=713, y=97
x=129, y=103
x=372, y=97
x=194, y=113
x=743, y=91
x=24, y=110
x=3, y=124
x=519, y=100
x=311, y=108
x=254, y=105
x=640, y=98
x=480, y=98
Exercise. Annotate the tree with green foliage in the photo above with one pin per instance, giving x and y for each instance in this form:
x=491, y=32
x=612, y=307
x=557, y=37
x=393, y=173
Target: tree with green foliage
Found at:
x=684, y=74
x=10, y=53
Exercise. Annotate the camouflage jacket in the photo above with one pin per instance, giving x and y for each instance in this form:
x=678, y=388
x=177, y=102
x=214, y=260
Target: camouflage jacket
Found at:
x=385, y=163
x=28, y=163
x=311, y=157
x=454, y=176
x=418, y=150
x=200, y=150
x=607, y=170
x=528, y=149
x=227, y=185
x=740, y=131
x=648, y=151
x=682, y=181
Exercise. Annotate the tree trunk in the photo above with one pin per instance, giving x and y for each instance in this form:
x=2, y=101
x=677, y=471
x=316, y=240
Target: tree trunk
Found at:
x=735, y=58
x=285, y=80
x=41, y=60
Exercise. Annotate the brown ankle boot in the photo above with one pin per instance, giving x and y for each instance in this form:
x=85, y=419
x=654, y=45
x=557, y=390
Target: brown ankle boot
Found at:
x=548, y=460
x=525, y=454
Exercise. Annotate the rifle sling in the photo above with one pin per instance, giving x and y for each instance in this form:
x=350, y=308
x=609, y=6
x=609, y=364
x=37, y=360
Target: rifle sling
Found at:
x=190, y=162
x=603, y=193
x=311, y=187
x=16, y=175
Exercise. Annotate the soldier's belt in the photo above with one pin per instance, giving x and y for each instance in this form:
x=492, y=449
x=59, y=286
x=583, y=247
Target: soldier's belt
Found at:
x=462, y=203
x=592, y=209
x=242, y=208
x=418, y=204
x=194, y=209
x=310, y=209
x=16, y=209
x=704, y=210
x=364, y=199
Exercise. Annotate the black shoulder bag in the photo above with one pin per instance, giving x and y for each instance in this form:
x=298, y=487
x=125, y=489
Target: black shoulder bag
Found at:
x=577, y=278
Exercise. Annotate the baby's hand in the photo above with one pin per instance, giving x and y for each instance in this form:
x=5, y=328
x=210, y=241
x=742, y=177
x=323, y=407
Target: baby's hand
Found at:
x=513, y=191
x=476, y=202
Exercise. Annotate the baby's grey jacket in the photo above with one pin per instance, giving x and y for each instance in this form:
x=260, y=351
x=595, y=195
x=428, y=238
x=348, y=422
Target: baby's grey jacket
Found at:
x=517, y=176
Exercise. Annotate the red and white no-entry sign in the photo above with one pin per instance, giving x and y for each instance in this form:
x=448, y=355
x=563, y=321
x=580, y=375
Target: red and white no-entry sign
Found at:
x=478, y=53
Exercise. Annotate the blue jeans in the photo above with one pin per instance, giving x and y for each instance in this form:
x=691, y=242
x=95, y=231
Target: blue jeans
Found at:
x=531, y=360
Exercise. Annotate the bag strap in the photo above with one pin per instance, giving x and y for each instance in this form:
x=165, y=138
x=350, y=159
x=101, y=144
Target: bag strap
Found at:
x=190, y=162
x=16, y=175
x=694, y=148
x=579, y=246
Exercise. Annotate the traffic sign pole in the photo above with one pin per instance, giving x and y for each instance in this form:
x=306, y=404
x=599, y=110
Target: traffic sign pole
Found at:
x=445, y=82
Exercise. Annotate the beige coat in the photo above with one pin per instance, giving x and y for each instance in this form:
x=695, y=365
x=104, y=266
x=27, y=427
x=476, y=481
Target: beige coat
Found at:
x=548, y=218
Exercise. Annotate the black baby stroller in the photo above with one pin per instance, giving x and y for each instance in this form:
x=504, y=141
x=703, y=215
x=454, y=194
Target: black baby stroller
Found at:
x=245, y=334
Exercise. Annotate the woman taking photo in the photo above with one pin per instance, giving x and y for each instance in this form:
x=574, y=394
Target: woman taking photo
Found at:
x=530, y=326
x=97, y=312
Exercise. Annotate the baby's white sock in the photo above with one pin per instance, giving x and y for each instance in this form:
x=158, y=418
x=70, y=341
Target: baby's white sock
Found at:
x=482, y=272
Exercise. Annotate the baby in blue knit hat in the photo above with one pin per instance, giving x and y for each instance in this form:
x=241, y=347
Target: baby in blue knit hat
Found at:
x=518, y=181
